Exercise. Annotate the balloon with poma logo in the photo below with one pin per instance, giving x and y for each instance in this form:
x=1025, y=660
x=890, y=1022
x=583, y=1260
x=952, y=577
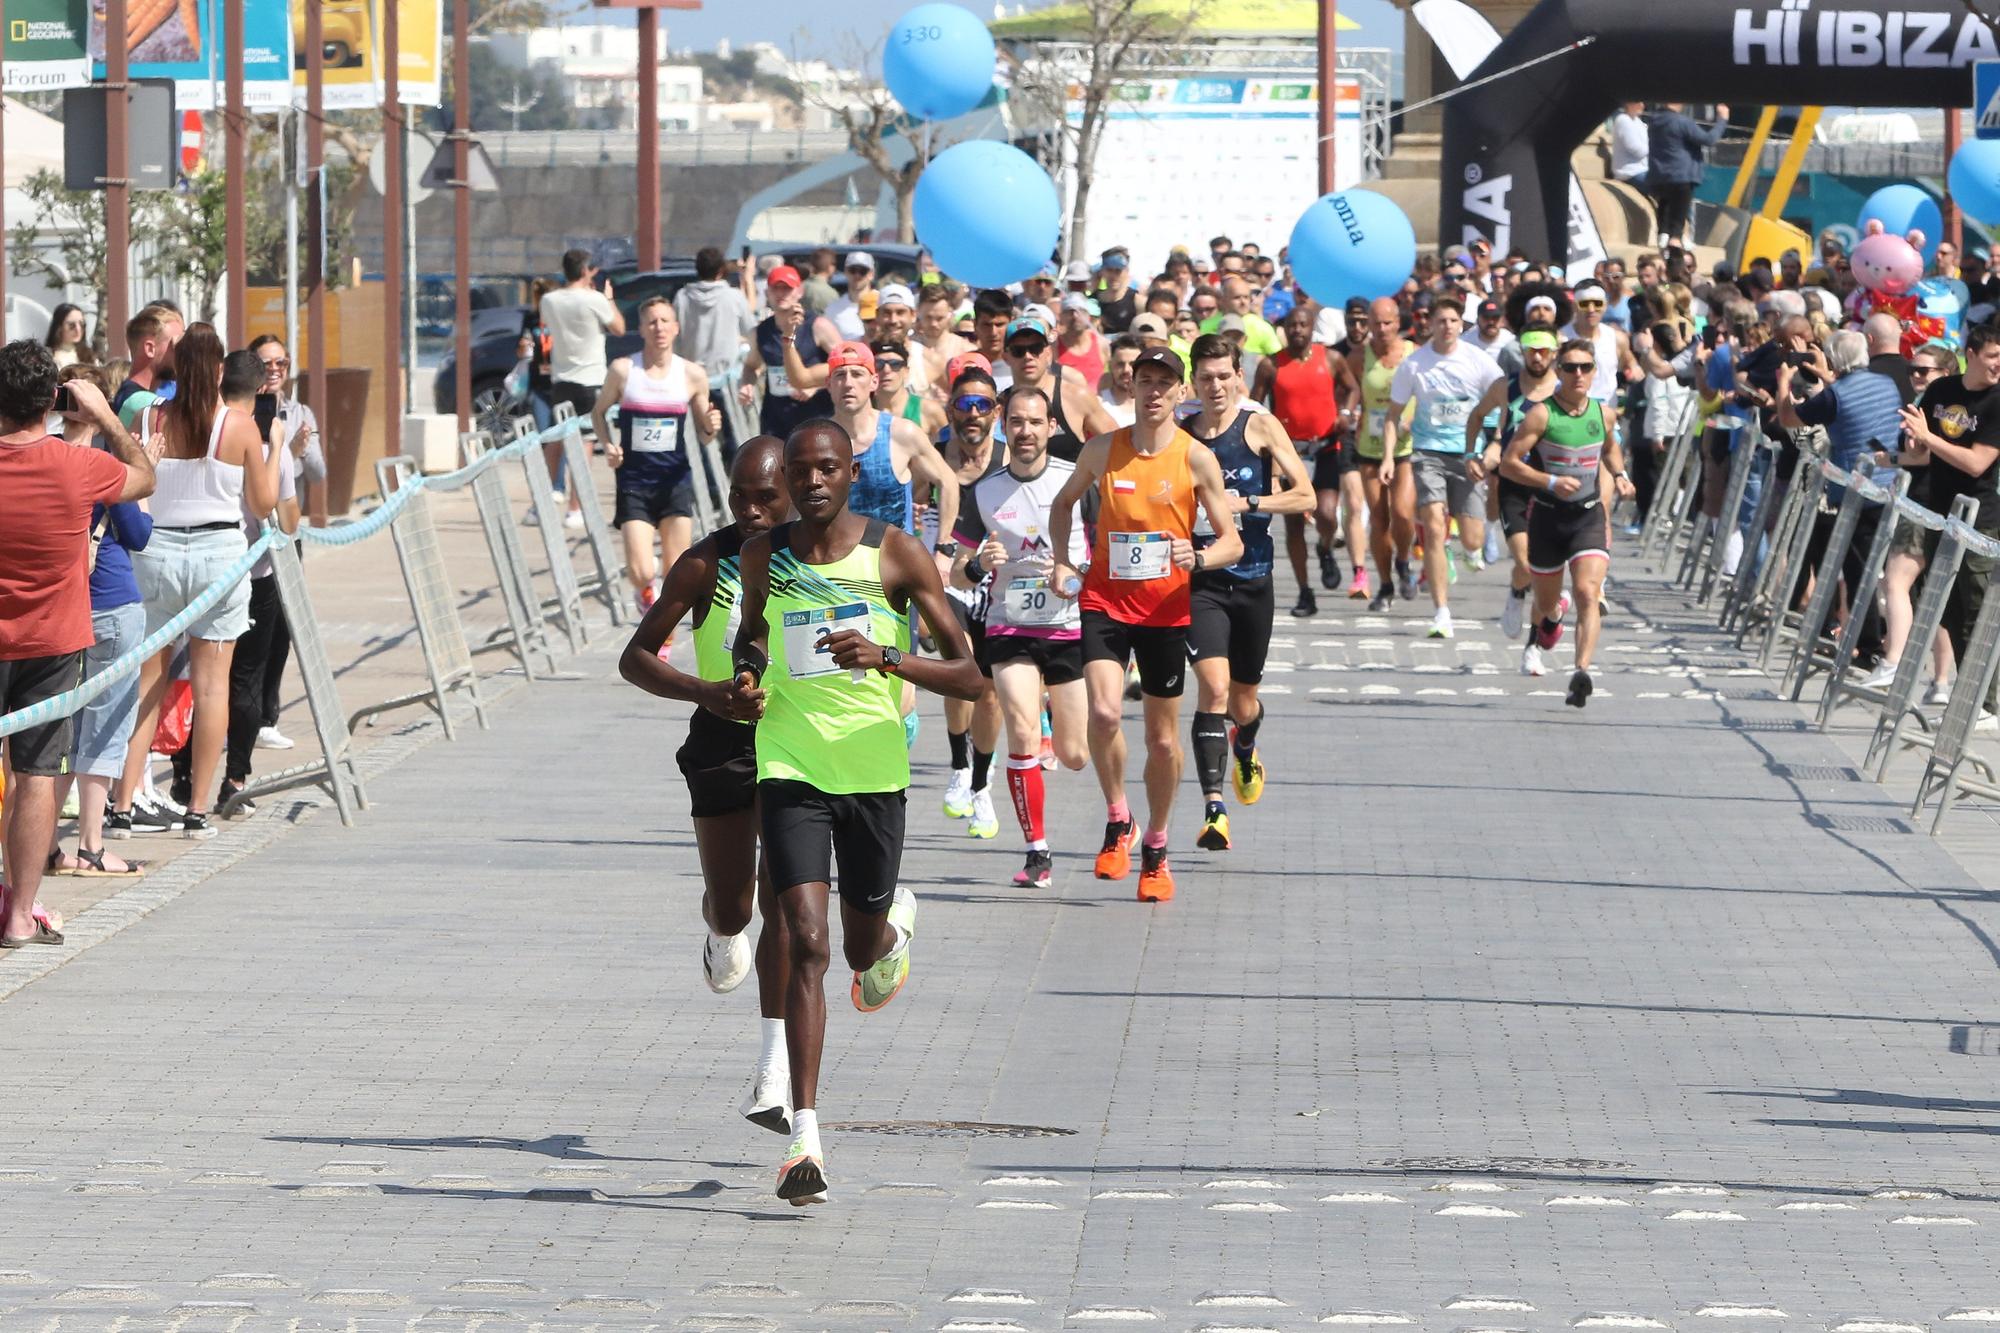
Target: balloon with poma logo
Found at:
x=1352, y=243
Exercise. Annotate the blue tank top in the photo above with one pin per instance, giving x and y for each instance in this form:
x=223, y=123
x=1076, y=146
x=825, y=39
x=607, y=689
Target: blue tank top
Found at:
x=877, y=493
x=1244, y=472
x=781, y=412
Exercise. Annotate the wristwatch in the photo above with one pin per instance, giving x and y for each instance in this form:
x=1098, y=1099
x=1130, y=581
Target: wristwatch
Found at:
x=891, y=659
x=946, y=549
x=1254, y=502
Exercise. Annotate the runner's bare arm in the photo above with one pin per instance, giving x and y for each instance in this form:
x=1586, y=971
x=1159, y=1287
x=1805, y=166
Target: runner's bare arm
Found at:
x=1293, y=491
x=600, y=411
x=1090, y=412
x=1062, y=510
x=1262, y=382
x=707, y=416
x=1613, y=460
x=689, y=586
x=1227, y=548
x=753, y=375
x=1494, y=397
x=928, y=468
x=806, y=380
x=752, y=644
x=907, y=569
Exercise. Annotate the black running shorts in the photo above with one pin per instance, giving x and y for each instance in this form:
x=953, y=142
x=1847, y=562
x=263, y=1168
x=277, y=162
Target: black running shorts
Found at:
x=1514, y=501
x=1334, y=460
x=1560, y=534
x=1059, y=660
x=1232, y=618
x=1161, y=651
x=719, y=761
x=807, y=831
x=42, y=751
x=651, y=489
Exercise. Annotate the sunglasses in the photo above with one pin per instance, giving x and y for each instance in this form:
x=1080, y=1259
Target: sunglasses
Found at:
x=1590, y=305
x=277, y=363
x=974, y=404
x=1027, y=347
x=891, y=363
x=1577, y=367
x=1925, y=371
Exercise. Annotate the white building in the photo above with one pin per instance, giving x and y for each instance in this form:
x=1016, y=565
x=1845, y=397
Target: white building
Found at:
x=599, y=65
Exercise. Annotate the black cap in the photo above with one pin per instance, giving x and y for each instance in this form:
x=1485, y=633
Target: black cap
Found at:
x=1489, y=310
x=1165, y=357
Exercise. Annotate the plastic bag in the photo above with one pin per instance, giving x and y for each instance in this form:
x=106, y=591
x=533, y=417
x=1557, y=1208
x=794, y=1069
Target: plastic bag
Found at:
x=176, y=719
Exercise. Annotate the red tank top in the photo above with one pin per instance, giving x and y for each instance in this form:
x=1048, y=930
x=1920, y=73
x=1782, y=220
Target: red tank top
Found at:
x=1089, y=363
x=1302, y=395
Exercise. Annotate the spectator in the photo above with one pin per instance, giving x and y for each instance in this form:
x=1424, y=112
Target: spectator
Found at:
x=152, y=372
x=1885, y=353
x=1944, y=263
x=212, y=462
x=534, y=349
x=1791, y=272
x=1630, y=156
x=785, y=406
x=1078, y=343
x=818, y=289
x=577, y=315
x=846, y=313
x=1117, y=301
x=715, y=321
x=69, y=339
x=1906, y=554
x=48, y=490
x=301, y=438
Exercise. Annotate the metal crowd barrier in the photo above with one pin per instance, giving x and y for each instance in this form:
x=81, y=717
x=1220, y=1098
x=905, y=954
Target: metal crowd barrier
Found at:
x=1742, y=590
x=1944, y=769
x=567, y=604
x=1786, y=563
x=1861, y=597
x=608, y=582
x=526, y=633
x=1812, y=648
x=1899, y=701
x=1675, y=489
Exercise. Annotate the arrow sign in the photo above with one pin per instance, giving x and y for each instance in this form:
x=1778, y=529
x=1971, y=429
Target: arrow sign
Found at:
x=1986, y=99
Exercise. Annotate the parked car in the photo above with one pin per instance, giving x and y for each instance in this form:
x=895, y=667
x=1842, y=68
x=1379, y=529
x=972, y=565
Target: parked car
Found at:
x=893, y=262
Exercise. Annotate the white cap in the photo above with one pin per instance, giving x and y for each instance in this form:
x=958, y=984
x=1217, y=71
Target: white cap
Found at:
x=896, y=293
x=1036, y=310
x=1078, y=271
x=1076, y=301
x=859, y=259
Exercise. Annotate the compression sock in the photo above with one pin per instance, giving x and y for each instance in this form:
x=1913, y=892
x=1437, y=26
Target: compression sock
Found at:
x=1211, y=750
x=982, y=768
x=961, y=748
x=1246, y=735
x=1024, y=782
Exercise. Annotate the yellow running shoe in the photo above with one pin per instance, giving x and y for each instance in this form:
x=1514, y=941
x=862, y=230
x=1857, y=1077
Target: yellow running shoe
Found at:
x=1214, y=835
x=1247, y=777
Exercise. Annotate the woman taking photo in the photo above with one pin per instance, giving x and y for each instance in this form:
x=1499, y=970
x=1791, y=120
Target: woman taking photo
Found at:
x=211, y=462
x=69, y=339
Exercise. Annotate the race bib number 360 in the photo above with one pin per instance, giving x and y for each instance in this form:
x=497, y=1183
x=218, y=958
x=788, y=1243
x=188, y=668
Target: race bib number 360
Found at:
x=1141, y=555
x=806, y=632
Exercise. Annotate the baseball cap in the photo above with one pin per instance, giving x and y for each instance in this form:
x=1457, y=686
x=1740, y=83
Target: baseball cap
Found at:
x=851, y=354
x=869, y=304
x=1036, y=310
x=1078, y=271
x=1077, y=301
x=784, y=275
x=897, y=294
x=1535, y=303
x=1556, y=272
x=963, y=362
x=1028, y=323
x=1231, y=324
x=1046, y=273
x=1164, y=357
x=859, y=259
x=1489, y=310
x=1147, y=325
x=1355, y=303
x=1114, y=259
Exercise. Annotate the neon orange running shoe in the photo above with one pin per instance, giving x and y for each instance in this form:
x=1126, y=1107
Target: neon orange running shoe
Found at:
x=1156, y=882
x=1115, y=861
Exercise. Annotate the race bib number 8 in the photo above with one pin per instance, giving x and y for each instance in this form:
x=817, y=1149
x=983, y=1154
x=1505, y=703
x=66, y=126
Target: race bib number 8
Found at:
x=1032, y=602
x=806, y=653
x=1141, y=555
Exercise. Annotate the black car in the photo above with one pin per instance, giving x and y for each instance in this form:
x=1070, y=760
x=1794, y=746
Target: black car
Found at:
x=893, y=263
x=496, y=338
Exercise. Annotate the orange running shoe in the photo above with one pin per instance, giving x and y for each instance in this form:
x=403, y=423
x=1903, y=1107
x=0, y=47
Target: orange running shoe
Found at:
x=1156, y=882
x=1115, y=861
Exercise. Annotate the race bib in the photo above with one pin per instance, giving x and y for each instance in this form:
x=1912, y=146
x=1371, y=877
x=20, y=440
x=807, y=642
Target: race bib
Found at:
x=1141, y=555
x=655, y=435
x=806, y=654
x=776, y=382
x=1202, y=527
x=1378, y=417
x=1032, y=602
x=1446, y=414
x=927, y=527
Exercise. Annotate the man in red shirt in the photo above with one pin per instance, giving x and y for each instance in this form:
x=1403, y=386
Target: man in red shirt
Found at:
x=47, y=490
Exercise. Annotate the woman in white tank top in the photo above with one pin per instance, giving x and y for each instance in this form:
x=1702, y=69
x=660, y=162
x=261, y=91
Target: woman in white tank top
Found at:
x=211, y=466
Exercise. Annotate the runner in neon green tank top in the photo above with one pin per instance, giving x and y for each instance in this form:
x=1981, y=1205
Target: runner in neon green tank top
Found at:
x=823, y=640
x=719, y=759
x=1391, y=492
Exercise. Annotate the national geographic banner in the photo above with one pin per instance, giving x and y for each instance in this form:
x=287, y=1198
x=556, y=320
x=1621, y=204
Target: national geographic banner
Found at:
x=1507, y=144
x=351, y=36
x=183, y=40
x=45, y=44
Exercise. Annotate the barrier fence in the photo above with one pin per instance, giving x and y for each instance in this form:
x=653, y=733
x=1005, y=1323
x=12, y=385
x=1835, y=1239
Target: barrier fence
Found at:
x=447, y=653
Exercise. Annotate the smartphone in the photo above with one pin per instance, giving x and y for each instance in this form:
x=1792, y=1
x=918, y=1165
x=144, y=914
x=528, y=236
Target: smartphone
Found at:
x=65, y=400
x=1712, y=335
x=266, y=411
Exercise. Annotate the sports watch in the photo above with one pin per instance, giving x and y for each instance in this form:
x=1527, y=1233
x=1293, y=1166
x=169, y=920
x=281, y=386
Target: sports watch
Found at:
x=892, y=658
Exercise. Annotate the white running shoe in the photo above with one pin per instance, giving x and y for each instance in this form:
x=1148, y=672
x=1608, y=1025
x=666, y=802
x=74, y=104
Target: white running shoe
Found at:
x=1987, y=722
x=958, y=794
x=1511, y=612
x=1532, y=662
x=726, y=960
x=1441, y=623
x=1475, y=561
x=983, y=824
x=574, y=520
x=1880, y=677
x=1939, y=693
x=270, y=738
x=769, y=1103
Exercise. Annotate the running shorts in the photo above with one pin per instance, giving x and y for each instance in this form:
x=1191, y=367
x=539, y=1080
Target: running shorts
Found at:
x=719, y=761
x=1441, y=480
x=1161, y=651
x=807, y=831
x=652, y=488
x=1232, y=618
x=975, y=630
x=1059, y=660
x=1514, y=501
x=1333, y=460
x=1561, y=534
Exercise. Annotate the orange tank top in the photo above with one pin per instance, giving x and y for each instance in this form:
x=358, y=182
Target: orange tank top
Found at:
x=1144, y=500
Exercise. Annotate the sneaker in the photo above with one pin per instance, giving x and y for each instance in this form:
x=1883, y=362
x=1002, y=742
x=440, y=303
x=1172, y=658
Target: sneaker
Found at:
x=1879, y=678
x=1214, y=835
x=983, y=824
x=1358, y=589
x=194, y=826
x=769, y=1103
x=802, y=1179
x=726, y=960
x=270, y=738
x=1632, y=529
x=1132, y=690
x=881, y=983
x=1532, y=662
x=1475, y=561
x=1156, y=882
x=1579, y=690
x=1307, y=605
x=1379, y=602
x=1115, y=860
x=1038, y=873
x=1247, y=776
x=1512, y=612
x=644, y=598
x=1986, y=722
x=231, y=804
x=1406, y=581
x=1939, y=693
x=1441, y=623
x=958, y=794
x=139, y=819
x=1329, y=569
x=573, y=521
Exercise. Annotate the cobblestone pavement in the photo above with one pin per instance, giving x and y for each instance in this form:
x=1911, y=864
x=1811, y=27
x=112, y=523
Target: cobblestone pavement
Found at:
x=1501, y=1016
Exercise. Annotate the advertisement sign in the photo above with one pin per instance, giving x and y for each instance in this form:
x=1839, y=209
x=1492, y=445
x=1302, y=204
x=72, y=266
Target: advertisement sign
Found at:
x=420, y=42
x=347, y=43
x=45, y=44
x=183, y=40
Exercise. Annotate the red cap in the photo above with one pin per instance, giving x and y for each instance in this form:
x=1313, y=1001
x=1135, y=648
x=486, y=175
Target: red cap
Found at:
x=963, y=362
x=784, y=275
x=851, y=354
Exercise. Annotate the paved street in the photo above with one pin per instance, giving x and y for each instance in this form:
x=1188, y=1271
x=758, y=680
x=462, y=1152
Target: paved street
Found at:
x=1501, y=1015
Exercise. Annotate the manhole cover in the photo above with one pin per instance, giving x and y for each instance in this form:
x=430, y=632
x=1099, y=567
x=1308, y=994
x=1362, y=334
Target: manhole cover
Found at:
x=1816, y=772
x=1517, y=1165
x=950, y=1129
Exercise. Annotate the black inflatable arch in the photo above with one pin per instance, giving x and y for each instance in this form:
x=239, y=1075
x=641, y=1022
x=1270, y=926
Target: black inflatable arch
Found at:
x=1507, y=145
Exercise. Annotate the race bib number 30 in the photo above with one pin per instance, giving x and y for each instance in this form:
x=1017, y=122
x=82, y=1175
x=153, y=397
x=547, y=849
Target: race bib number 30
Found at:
x=806, y=653
x=1141, y=555
x=1032, y=602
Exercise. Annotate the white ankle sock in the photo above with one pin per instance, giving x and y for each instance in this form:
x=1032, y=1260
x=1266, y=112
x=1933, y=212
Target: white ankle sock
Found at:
x=774, y=1057
x=805, y=1128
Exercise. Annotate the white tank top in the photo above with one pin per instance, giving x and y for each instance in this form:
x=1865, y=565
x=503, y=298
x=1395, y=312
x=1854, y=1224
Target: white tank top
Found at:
x=1604, y=385
x=190, y=492
x=653, y=408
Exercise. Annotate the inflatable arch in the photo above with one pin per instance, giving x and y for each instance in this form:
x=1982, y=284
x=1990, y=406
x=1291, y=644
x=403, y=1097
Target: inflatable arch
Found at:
x=1507, y=145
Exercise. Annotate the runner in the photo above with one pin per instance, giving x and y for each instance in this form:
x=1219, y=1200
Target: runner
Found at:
x=894, y=450
x=1149, y=477
x=1229, y=633
x=656, y=394
x=719, y=760
x=1032, y=643
x=894, y=393
x=1556, y=452
x=1439, y=383
x=1116, y=395
x=972, y=729
x=832, y=593
x=1076, y=413
x=1499, y=416
x=1610, y=347
x=936, y=305
x=1389, y=491
x=1305, y=385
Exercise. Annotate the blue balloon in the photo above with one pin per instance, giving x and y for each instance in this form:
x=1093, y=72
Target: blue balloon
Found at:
x=939, y=61
x=1901, y=208
x=1355, y=243
x=1974, y=177
x=987, y=212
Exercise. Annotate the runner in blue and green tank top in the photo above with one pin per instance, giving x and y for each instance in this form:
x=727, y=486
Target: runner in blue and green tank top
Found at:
x=824, y=638
x=1499, y=416
x=719, y=759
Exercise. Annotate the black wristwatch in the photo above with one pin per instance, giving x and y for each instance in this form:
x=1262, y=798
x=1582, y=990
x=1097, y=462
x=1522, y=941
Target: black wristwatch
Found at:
x=1254, y=502
x=946, y=549
x=891, y=659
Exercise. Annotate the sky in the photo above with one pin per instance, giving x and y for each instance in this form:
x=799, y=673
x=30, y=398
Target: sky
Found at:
x=781, y=21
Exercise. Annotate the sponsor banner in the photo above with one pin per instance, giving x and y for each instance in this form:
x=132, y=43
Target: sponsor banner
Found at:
x=45, y=44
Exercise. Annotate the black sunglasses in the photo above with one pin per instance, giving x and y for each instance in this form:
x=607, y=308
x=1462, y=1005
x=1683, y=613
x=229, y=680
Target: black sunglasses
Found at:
x=890, y=363
x=1577, y=367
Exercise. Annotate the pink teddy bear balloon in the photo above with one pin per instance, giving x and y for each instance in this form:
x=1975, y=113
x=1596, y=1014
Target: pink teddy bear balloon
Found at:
x=1891, y=265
